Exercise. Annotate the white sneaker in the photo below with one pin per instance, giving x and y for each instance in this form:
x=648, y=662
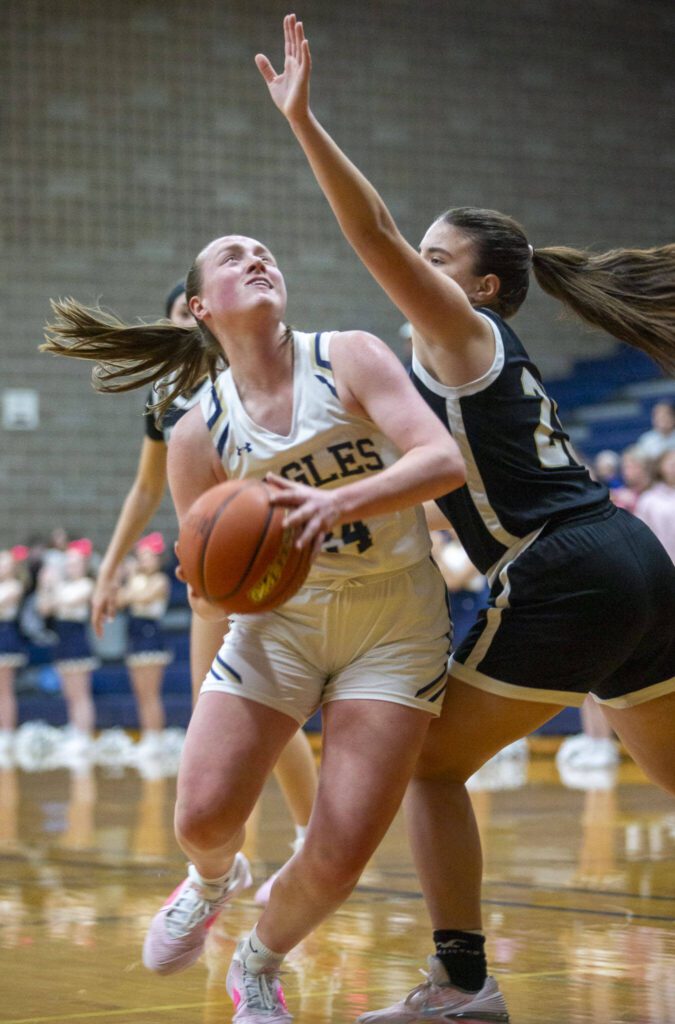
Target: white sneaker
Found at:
x=257, y=998
x=499, y=773
x=518, y=749
x=149, y=745
x=147, y=756
x=112, y=748
x=36, y=746
x=76, y=748
x=173, y=740
x=571, y=743
x=177, y=934
x=588, y=778
x=436, y=1001
x=587, y=752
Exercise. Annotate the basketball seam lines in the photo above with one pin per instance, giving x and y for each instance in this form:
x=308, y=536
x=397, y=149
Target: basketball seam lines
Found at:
x=205, y=545
x=263, y=535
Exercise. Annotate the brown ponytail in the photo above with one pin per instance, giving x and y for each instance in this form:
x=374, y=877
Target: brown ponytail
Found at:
x=630, y=293
x=134, y=356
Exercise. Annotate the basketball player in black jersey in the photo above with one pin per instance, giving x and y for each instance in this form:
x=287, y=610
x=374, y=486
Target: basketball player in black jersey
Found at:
x=582, y=594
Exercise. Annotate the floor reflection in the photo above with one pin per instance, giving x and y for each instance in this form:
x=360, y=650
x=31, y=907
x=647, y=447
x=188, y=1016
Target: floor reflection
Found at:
x=579, y=904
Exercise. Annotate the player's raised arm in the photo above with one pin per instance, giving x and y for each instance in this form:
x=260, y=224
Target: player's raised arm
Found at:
x=437, y=306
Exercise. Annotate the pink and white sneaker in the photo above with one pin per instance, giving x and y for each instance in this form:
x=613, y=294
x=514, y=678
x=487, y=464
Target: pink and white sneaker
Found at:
x=437, y=1001
x=177, y=934
x=257, y=998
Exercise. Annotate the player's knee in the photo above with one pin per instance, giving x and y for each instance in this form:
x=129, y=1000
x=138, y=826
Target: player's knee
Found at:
x=199, y=826
x=334, y=868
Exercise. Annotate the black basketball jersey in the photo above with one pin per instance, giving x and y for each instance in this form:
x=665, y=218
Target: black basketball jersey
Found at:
x=522, y=470
x=162, y=431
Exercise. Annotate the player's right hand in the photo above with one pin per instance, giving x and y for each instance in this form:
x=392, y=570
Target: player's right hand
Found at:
x=290, y=89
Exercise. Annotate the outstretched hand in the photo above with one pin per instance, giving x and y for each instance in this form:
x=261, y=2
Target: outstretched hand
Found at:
x=290, y=89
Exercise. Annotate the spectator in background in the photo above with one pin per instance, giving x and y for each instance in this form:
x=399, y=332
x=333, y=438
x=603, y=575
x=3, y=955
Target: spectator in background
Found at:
x=661, y=437
x=145, y=596
x=655, y=506
x=12, y=652
x=606, y=468
x=65, y=597
x=31, y=623
x=638, y=475
x=57, y=546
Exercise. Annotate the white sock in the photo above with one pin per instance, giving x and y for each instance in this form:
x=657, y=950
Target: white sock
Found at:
x=256, y=956
x=220, y=882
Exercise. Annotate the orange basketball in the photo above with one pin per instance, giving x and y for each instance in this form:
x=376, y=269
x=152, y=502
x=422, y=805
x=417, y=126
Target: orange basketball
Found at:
x=235, y=551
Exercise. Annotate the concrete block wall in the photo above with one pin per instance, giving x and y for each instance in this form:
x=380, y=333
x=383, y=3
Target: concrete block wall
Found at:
x=135, y=131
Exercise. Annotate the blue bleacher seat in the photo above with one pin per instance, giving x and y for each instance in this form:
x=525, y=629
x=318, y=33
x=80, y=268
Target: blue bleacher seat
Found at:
x=594, y=380
x=627, y=378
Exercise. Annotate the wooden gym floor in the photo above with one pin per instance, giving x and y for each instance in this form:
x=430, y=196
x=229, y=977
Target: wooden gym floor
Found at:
x=579, y=904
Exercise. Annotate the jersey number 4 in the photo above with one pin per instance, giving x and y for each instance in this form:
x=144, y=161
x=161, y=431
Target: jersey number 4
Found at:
x=350, y=533
x=552, y=452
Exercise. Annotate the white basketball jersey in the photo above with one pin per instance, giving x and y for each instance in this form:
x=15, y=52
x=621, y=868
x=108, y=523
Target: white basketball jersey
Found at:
x=327, y=447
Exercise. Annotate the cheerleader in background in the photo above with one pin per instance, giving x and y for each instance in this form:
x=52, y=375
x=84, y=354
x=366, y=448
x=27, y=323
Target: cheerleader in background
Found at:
x=145, y=596
x=65, y=597
x=12, y=651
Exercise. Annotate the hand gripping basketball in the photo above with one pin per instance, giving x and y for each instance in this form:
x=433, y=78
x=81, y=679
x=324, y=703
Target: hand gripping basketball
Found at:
x=237, y=552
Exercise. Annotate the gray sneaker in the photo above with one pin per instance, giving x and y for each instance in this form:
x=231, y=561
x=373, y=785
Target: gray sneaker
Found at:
x=436, y=1001
x=258, y=998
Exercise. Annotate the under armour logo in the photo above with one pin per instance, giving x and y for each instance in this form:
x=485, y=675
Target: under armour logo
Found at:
x=248, y=447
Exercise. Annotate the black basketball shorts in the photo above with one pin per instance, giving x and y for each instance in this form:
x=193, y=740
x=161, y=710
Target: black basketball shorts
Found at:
x=588, y=607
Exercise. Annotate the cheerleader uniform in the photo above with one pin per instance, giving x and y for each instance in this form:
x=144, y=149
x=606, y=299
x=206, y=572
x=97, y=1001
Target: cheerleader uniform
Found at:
x=146, y=641
x=70, y=623
x=12, y=648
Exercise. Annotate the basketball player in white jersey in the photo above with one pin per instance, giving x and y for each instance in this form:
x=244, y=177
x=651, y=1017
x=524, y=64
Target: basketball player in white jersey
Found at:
x=335, y=416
